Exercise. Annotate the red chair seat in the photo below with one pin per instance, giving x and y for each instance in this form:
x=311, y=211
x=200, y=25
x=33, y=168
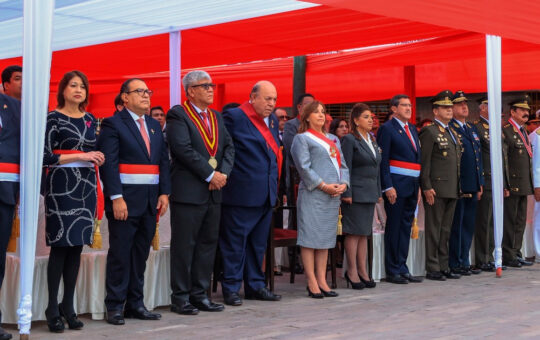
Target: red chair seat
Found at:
x=283, y=234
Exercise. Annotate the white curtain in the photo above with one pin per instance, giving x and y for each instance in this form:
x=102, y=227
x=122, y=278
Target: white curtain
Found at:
x=175, y=69
x=493, y=59
x=37, y=32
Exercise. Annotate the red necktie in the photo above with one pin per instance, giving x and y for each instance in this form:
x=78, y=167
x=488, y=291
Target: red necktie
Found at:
x=144, y=134
x=410, y=137
x=204, y=115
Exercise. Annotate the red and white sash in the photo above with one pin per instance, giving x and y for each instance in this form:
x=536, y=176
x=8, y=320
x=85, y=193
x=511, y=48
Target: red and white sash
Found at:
x=139, y=173
x=525, y=141
x=329, y=146
x=9, y=172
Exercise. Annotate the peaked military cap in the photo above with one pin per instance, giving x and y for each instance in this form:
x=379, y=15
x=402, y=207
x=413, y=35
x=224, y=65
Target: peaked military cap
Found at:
x=459, y=97
x=443, y=98
x=522, y=102
x=483, y=100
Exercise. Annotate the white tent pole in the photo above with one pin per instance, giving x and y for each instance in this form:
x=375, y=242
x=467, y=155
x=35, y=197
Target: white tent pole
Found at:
x=493, y=60
x=175, y=63
x=37, y=33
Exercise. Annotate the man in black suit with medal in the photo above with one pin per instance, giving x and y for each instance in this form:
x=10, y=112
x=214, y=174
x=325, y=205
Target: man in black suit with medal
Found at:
x=202, y=155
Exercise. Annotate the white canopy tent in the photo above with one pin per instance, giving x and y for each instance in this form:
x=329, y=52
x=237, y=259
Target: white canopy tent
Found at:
x=80, y=23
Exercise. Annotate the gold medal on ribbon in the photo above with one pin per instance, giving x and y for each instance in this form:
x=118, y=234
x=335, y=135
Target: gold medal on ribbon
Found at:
x=213, y=162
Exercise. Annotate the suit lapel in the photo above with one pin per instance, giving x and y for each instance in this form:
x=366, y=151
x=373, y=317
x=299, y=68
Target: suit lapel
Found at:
x=132, y=126
x=404, y=136
x=154, y=138
x=260, y=138
x=366, y=148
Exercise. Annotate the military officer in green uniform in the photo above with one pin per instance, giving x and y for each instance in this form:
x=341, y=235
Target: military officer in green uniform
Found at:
x=484, y=241
x=520, y=182
x=439, y=180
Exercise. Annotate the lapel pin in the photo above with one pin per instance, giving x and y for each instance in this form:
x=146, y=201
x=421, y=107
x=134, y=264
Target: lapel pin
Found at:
x=152, y=130
x=5, y=106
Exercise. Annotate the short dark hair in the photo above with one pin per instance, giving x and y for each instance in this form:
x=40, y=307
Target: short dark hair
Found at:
x=118, y=100
x=8, y=72
x=395, y=99
x=64, y=83
x=229, y=106
x=125, y=85
x=301, y=98
x=156, y=108
x=335, y=124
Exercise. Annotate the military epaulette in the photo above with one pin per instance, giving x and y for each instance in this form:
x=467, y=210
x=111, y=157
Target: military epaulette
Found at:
x=476, y=121
x=456, y=125
x=507, y=125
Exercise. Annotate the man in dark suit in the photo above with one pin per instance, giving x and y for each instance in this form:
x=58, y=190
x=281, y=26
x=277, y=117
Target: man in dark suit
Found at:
x=520, y=182
x=471, y=184
x=400, y=172
x=136, y=185
x=439, y=179
x=10, y=136
x=12, y=81
x=202, y=158
x=250, y=194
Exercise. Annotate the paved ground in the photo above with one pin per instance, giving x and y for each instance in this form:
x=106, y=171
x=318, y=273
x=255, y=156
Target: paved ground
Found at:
x=473, y=307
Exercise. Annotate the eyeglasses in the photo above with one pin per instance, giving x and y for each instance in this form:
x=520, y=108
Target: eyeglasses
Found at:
x=142, y=92
x=283, y=118
x=206, y=86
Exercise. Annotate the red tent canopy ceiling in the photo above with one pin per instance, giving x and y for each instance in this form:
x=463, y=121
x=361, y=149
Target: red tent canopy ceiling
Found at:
x=514, y=19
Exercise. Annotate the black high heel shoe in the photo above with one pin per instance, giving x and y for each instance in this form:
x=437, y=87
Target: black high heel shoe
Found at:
x=72, y=320
x=368, y=284
x=329, y=293
x=314, y=295
x=56, y=325
x=354, y=285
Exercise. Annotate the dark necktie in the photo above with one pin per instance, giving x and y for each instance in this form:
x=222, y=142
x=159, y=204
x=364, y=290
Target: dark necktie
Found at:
x=525, y=137
x=451, y=135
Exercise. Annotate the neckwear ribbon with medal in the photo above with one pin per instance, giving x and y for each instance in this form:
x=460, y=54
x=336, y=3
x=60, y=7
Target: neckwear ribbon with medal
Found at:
x=331, y=148
x=523, y=139
x=210, y=138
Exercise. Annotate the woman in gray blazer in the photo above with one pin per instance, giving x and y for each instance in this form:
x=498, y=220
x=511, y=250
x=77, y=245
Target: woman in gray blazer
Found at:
x=324, y=177
x=363, y=156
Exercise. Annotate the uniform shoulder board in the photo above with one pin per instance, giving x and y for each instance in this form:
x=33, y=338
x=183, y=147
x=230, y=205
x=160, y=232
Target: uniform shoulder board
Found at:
x=476, y=121
x=456, y=125
x=507, y=125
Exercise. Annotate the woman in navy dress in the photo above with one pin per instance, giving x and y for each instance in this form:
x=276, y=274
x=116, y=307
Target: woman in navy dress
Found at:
x=70, y=193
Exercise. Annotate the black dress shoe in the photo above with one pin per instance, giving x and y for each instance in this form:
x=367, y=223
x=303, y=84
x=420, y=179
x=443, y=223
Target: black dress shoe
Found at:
x=115, y=317
x=449, y=275
x=368, y=284
x=460, y=271
x=397, y=279
x=524, y=262
x=514, y=263
x=185, y=308
x=436, y=276
x=4, y=335
x=141, y=313
x=486, y=267
x=55, y=324
x=314, y=295
x=207, y=305
x=232, y=299
x=263, y=294
x=72, y=320
x=354, y=285
x=474, y=270
x=328, y=293
x=411, y=278
x=278, y=273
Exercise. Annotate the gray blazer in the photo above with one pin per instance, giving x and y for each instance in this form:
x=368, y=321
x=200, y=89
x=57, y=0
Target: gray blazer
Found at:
x=313, y=163
x=363, y=168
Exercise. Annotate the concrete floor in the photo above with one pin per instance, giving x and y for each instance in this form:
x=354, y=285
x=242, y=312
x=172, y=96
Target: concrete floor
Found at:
x=474, y=307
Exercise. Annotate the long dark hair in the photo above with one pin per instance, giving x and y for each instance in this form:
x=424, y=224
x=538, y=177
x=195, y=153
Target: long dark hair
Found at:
x=356, y=112
x=63, y=84
x=306, y=111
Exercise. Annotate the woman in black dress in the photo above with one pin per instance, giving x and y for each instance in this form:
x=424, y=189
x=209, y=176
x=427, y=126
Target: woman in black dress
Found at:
x=363, y=157
x=70, y=193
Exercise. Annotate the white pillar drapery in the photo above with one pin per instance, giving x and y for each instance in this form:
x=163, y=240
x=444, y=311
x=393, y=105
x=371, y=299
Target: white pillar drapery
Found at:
x=493, y=62
x=175, y=69
x=37, y=36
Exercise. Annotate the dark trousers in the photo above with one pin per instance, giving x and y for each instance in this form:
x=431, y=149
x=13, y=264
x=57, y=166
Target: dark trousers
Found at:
x=397, y=233
x=7, y=212
x=515, y=217
x=243, y=239
x=438, y=224
x=194, y=237
x=462, y=232
x=484, y=241
x=129, y=246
